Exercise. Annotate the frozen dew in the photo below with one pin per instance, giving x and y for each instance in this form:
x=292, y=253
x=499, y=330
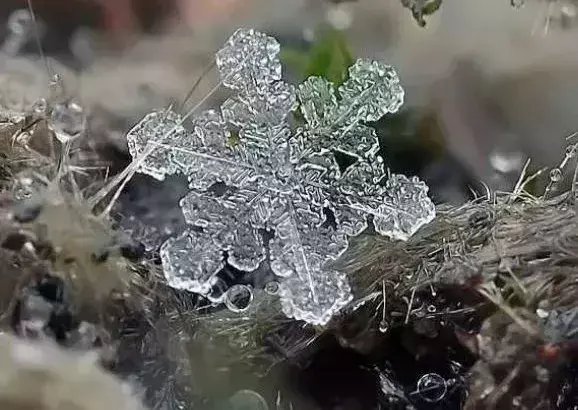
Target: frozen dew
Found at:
x=67, y=120
x=238, y=298
x=432, y=387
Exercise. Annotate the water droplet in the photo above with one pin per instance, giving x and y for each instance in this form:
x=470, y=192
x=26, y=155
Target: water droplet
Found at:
x=238, y=298
x=571, y=151
x=542, y=313
x=67, y=121
x=40, y=106
x=247, y=400
x=431, y=309
x=383, y=326
x=555, y=174
x=432, y=387
x=272, y=288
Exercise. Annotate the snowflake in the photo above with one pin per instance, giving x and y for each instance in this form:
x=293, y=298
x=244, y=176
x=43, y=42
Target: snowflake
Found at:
x=264, y=190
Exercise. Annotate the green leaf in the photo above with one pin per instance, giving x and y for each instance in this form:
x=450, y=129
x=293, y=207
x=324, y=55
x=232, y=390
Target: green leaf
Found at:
x=329, y=57
x=296, y=60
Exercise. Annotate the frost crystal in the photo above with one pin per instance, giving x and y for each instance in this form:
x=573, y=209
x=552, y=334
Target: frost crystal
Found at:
x=264, y=192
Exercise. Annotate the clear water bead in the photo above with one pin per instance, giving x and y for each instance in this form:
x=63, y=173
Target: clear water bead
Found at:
x=432, y=387
x=67, y=120
x=238, y=298
x=248, y=60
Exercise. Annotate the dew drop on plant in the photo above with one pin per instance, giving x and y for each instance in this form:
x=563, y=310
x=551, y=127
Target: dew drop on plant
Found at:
x=555, y=174
x=238, y=298
x=383, y=326
x=432, y=387
x=67, y=120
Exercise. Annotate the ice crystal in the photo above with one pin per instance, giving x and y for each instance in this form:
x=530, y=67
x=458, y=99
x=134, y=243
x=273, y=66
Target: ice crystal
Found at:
x=264, y=191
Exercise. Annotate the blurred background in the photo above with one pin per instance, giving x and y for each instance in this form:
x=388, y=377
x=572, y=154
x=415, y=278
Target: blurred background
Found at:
x=489, y=83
